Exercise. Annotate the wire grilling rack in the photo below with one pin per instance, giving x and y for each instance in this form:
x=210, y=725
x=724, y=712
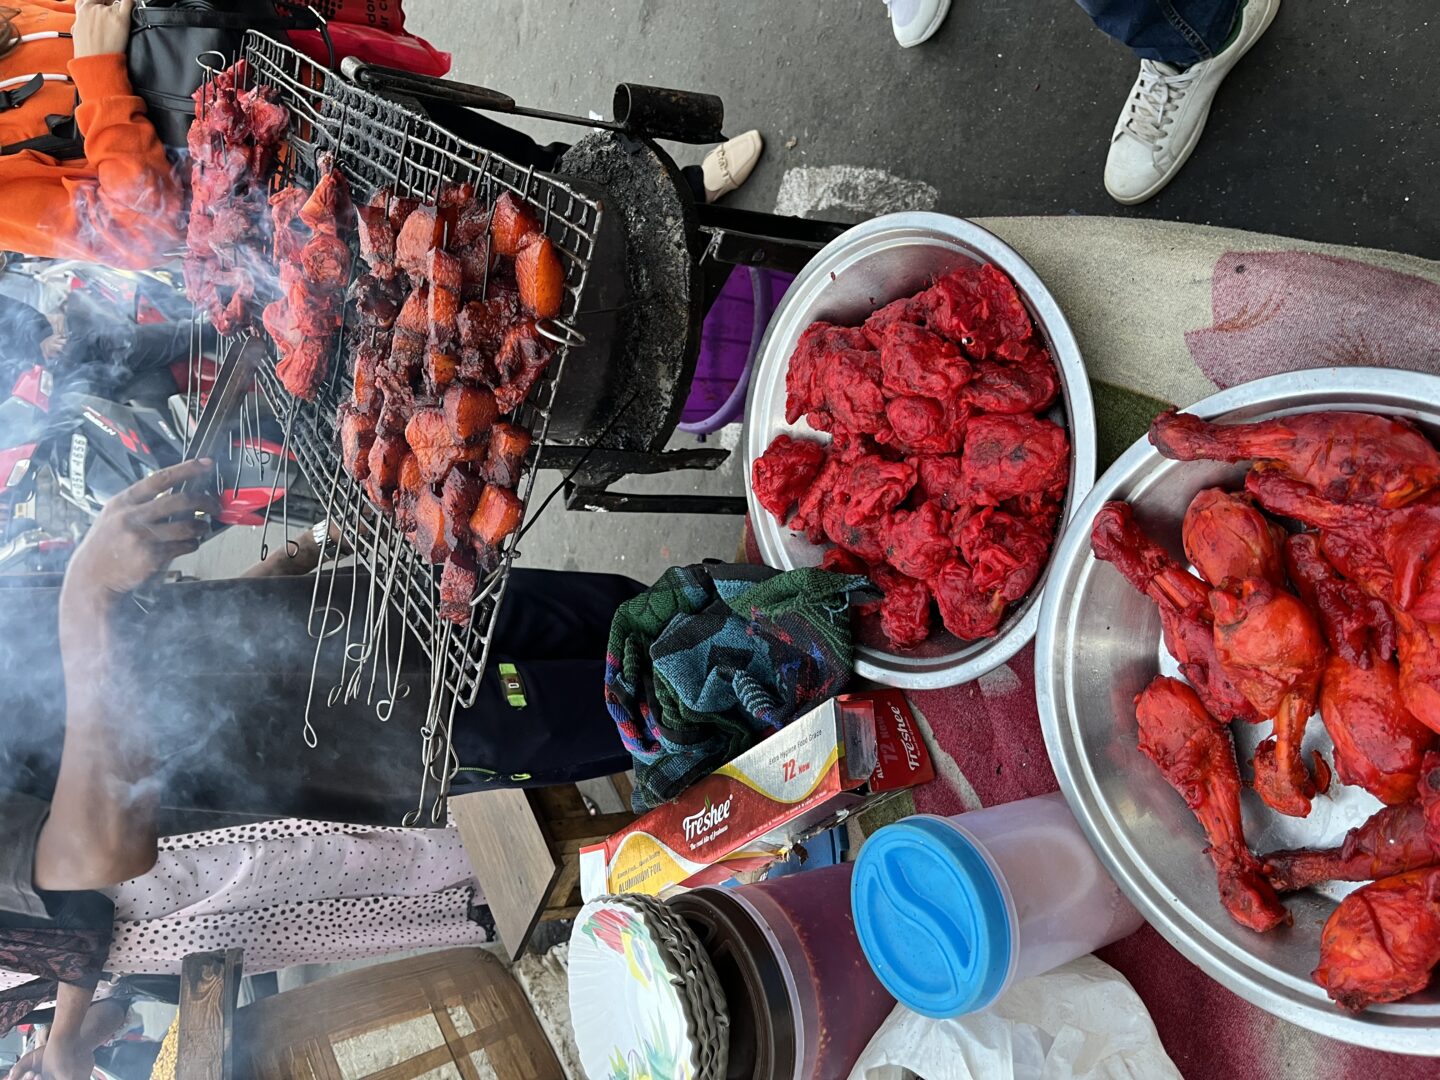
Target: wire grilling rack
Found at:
x=380, y=144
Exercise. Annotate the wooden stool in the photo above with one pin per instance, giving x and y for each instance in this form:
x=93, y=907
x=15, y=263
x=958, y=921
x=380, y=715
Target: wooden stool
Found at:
x=524, y=846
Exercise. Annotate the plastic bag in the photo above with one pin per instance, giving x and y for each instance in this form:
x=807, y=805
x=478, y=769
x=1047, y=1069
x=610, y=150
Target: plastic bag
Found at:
x=385, y=15
x=405, y=51
x=1082, y=1021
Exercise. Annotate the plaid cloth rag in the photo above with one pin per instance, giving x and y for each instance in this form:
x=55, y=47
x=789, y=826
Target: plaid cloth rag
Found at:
x=714, y=657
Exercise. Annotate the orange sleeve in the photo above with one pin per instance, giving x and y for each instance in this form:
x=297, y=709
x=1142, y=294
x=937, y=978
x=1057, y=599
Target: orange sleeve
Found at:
x=122, y=208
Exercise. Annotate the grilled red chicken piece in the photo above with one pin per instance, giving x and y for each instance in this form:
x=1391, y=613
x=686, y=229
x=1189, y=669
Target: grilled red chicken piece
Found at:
x=1418, y=654
x=505, y=457
x=329, y=204
x=459, y=582
x=427, y=532
x=482, y=323
x=917, y=363
x=417, y=238
x=469, y=412
x=1378, y=745
x=918, y=541
x=874, y=487
x=442, y=368
x=1227, y=539
x=541, y=277
x=784, y=471
x=819, y=345
x=496, y=517
x=435, y=446
x=1349, y=457
x=325, y=261
x=303, y=368
x=1358, y=626
x=938, y=478
x=920, y=425
x=407, y=491
x=357, y=436
x=1391, y=841
x=377, y=300
x=1383, y=940
x=414, y=317
x=459, y=496
x=386, y=454
x=1194, y=753
x=1006, y=552
x=1394, y=554
x=511, y=224
x=980, y=310
x=290, y=232
x=1184, y=604
x=521, y=361
x=1270, y=646
x=377, y=235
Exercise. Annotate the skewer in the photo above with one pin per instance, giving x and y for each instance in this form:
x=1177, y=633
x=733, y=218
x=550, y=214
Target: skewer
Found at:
x=274, y=487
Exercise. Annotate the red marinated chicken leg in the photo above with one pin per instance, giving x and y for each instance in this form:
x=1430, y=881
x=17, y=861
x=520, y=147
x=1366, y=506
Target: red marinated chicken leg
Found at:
x=1358, y=626
x=1378, y=745
x=1392, y=841
x=1193, y=751
x=1270, y=646
x=1347, y=456
x=1383, y=941
x=1227, y=539
x=1184, y=603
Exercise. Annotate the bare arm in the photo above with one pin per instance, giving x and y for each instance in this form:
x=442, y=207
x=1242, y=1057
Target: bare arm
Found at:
x=101, y=827
x=79, y=1029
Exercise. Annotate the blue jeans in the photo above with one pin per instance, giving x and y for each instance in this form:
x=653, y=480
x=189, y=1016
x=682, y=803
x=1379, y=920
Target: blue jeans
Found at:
x=1178, y=32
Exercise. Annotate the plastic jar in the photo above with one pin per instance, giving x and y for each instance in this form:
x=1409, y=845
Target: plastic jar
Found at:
x=951, y=911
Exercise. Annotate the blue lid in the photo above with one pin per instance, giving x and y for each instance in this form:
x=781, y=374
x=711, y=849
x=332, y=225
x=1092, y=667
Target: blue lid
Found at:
x=932, y=917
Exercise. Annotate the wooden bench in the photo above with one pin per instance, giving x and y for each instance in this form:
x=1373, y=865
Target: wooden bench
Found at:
x=524, y=846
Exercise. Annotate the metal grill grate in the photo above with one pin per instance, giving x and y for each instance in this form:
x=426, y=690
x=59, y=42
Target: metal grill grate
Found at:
x=378, y=143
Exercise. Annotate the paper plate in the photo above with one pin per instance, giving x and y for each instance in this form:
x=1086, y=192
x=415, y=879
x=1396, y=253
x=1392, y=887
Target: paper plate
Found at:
x=629, y=1005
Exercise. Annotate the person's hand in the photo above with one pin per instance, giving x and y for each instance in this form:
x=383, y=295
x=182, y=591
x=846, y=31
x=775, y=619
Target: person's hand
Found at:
x=141, y=530
x=55, y=1061
x=101, y=27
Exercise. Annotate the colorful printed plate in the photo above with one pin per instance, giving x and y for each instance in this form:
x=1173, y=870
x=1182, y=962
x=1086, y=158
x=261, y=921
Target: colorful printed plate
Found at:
x=629, y=1006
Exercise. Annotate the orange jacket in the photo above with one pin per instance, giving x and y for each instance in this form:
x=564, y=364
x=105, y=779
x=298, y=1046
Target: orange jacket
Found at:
x=120, y=204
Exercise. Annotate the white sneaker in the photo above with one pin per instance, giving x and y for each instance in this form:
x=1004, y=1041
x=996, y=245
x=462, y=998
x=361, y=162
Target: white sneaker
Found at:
x=915, y=21
x=730, y=164
x=1166, y=112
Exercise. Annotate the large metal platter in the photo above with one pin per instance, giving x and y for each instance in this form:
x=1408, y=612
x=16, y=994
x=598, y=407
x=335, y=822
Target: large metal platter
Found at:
x=862, y=269
x=1099, y=644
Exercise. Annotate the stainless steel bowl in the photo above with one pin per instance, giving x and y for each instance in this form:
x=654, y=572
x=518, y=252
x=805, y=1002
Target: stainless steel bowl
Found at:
x=1099, y=645
x=866, y=267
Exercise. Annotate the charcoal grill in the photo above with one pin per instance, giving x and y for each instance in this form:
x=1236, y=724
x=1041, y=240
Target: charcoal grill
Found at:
x=379, y=143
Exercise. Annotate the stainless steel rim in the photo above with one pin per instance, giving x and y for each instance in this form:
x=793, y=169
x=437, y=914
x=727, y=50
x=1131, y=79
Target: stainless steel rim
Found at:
x=790, y=319
x=1401, y=1028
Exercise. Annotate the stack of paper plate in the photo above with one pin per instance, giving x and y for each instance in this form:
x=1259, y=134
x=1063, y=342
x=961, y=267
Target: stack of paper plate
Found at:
x=644, y=997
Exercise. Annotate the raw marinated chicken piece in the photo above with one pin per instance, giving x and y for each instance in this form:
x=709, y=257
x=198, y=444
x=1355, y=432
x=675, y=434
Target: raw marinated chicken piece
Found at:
x=428, y=531
x=1227, y=539
x=469, y=412
x=541, y=278
x=1395, y=554
x=511, y=224
x=1006, y=456
x=1029, y=385
x=918, y=542
x=786, y=469
x=416, y=239
x=967, y=611
x=818, y=346
x=839, y=561
x=1006, y=554
x=1349, y=457
x=874, y=487
x=1418, y=653
x=1378, y=744
x=459, y=496
x=459, y=582
x=1383, y=940
x=1271, y=648
x=1184, y=604
x=938, y=477
x=1358, y=626
x=905, y=609
x=907, y=310
x=505, y=458
x=1194, y=753
x=980, y=310
x=920, y=425
x=357, y=436
x=521, y=361
x=1391, y=841
x=916, y=363
x=329, y=203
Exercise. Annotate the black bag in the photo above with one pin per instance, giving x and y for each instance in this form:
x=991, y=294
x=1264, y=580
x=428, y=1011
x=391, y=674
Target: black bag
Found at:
x=167, y=38
x=169, y=35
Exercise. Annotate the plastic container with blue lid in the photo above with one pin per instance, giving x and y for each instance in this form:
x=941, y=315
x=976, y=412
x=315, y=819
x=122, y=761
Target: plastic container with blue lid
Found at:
x=951, y=911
